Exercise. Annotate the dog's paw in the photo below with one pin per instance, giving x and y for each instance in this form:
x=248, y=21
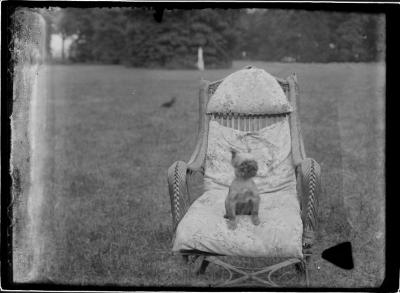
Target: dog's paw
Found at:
x=255, y=220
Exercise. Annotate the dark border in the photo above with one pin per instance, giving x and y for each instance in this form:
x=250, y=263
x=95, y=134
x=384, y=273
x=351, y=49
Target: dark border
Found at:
x=340, y=6
x=391, y=281
x=6, y=110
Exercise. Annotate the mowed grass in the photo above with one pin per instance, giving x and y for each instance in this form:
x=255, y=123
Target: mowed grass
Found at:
x=107, y=217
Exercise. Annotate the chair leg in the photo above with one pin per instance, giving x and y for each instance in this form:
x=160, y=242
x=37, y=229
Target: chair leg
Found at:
x=185, y=258
x=248, y=273
x=306, y=262
x=302, y=268
x=307, y=276
x=201, y=269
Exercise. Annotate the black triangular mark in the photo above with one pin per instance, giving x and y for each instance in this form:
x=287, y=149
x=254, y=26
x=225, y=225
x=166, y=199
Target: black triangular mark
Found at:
x=340, y=255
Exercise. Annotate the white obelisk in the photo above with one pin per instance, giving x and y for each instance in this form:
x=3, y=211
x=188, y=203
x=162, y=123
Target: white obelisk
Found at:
x=200, y=61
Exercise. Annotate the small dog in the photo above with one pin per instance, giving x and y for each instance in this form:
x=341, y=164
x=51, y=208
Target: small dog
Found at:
x=243, y=196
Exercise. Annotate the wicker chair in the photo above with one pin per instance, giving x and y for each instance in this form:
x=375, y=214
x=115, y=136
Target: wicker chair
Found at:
x=307, y=182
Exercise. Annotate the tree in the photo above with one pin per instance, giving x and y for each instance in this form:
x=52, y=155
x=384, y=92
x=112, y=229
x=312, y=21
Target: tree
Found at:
x=63, y=23
x=174, y=42
x=132, y=36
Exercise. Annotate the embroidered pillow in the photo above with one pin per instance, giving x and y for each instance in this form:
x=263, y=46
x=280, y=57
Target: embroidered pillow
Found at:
x=250, y=91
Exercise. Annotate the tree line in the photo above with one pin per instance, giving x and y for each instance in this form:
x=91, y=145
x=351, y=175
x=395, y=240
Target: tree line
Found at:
x=135, y=37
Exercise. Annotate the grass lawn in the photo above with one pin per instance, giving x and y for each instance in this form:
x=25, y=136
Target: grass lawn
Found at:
x=106, y=216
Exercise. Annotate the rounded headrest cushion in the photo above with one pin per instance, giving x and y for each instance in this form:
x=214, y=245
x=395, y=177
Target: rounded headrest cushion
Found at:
x=249, y=91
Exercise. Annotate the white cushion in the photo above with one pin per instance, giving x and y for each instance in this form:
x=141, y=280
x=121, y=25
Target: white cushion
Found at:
x=279, y=233
x=271, y=147
x=249, y=91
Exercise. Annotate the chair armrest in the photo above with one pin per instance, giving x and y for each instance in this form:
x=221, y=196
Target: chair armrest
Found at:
x=178, y=191
x=179, y=171
x=308, y=173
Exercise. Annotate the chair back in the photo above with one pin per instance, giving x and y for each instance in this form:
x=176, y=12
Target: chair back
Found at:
x=246, y=121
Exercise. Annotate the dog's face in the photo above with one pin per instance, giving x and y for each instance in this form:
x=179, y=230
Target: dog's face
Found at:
x=244, y=164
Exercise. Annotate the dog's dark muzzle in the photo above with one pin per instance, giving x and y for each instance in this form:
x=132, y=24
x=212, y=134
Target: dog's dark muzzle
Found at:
x=248, y=169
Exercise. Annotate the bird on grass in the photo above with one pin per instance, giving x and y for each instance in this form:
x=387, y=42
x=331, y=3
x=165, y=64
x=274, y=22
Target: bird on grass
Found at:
x=170, y=103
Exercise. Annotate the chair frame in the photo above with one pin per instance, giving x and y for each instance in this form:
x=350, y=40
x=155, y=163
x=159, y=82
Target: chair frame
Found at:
x=307, y=175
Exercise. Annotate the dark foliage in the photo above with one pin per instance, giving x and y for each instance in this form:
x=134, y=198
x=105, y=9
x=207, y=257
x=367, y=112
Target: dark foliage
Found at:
x=133, y=37
x=304, y=36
